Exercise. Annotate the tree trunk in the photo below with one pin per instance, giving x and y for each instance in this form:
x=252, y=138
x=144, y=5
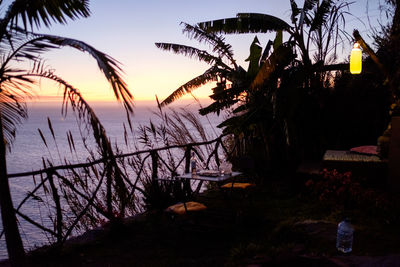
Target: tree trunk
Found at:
x=15, y=247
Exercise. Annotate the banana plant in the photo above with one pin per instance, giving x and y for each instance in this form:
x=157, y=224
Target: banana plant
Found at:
x=223, y=68
x=318, y=25
x=284, y=98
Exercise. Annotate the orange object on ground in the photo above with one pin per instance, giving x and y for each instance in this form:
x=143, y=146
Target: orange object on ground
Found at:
x=190, y=206
x=237, y=185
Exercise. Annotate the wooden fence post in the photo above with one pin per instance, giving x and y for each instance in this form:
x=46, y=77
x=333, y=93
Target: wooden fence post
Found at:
x=187, y=158
x=154, y=164
x=216, y=153
x=109, y=189
x=56, y=198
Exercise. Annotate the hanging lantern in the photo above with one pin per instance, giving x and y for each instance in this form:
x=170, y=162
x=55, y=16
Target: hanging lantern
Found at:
x=356, y=59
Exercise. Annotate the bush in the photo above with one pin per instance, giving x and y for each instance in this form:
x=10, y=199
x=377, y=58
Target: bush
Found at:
x=342, y=190
x=161, y=194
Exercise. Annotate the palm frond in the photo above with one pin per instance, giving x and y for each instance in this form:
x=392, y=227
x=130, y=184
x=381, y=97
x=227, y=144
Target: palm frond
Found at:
x=108, y=65
x=245, y=120
x=88, y=117
x=217, y=106
x=279, y=59
x=295, y=11
x=321, y=15
x=246, y=23
x=224, y=97
x=209, y=75
x=223, y=92
x=217, y=42
x=308, y=5
x=13, y=111
x=38, y=12
x=22, y=46
x=191, y=52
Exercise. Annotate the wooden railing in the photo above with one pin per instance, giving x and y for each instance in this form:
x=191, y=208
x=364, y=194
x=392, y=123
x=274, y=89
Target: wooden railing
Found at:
x=85, y=195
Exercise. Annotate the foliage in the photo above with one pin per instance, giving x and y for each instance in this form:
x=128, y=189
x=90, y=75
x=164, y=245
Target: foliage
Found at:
x=334, y=187
x=161, y=194
x=279, y=102
x=223, y=69
x=20, y=47
x=343, y=190
x=173, y=128
x=282, y=108
x=356, y=111
x=90, y=200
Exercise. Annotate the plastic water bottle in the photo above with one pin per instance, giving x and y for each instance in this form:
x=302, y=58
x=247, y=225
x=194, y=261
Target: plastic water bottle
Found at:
x=193, y=164
x=344, y=240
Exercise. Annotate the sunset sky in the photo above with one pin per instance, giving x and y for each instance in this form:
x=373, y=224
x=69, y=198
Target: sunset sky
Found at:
x=127, y=31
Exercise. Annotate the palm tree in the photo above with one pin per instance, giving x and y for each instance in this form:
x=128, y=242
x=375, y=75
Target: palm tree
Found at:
x=18, y=44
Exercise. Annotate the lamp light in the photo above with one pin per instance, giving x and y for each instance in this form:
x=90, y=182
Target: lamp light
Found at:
x=356, y=59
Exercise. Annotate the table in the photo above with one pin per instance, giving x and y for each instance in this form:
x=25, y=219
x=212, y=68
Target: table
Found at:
x=371, y=167
x=203, y=178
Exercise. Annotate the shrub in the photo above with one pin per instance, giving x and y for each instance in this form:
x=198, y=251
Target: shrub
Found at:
x=343, y=190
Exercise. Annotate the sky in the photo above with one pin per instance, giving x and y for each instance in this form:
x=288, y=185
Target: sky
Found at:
x=127, y=31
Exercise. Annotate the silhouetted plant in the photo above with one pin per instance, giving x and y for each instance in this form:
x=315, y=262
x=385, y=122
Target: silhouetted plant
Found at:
x=344, y=191
x=231, y=79
x=174, y=128
x=284, y=100
x=279, y=100
x=20, y=45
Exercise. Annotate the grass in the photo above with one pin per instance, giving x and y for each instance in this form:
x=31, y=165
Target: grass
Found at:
x=274, y=224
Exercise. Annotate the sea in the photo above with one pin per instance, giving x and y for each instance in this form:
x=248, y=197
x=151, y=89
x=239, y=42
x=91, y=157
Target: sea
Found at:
x=28, y=149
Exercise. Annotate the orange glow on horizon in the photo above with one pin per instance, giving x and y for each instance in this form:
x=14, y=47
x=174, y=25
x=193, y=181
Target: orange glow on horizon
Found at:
x=101, y=91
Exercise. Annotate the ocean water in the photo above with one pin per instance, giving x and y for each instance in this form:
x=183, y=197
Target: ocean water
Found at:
x=28, y=150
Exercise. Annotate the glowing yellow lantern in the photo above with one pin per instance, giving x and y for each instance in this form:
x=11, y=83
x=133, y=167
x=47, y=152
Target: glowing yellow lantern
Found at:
x=356, y=59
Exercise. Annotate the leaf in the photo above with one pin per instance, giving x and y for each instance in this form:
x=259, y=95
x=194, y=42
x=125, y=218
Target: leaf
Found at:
x=308, y=5
x=278, y=40
x=108, y=65
x=51, y=128
x=254, y=58
x=217, y=106
x=217, y=42
x=34, y=197
x=43, y=139
x=209, y=75
x=279, y=59
x=189, y=51
x=13, y=111
x=71, y=142
x=266, y=51
x=321, y=15
x=45, y=189
x=31, y=44
x=125, y=135
x=245, y=23
x=295, y=11
x=36, y=12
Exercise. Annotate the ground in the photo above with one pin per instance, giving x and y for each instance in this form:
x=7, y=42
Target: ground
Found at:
x=274, y=224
